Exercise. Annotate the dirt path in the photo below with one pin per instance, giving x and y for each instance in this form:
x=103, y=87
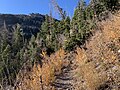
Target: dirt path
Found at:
x=66, y=80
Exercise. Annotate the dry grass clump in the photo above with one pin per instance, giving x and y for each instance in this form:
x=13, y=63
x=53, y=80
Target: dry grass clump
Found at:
x=91, y=79
x=42, y=78
x=29, y=80
x=53, y=67
x=111, y=29
x=111, y=35
x=81, y=56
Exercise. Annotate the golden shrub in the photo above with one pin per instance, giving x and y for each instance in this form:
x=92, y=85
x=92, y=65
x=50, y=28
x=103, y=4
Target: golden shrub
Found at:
x=51, y=65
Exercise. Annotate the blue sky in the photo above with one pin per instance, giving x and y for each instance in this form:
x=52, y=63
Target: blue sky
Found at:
x=35, y=6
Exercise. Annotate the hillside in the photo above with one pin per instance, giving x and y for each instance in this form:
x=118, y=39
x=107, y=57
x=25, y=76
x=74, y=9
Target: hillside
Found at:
x=29, y=23
x=80, y=53
x=95, y=66
x=99, y=65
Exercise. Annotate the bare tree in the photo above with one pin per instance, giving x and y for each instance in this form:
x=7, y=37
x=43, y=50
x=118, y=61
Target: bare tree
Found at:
x=61, y=12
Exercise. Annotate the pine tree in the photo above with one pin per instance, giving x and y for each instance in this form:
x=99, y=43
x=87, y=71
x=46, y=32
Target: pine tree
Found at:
x=111, y=5
x=67, y=27
x=102, y=8
x=32, y=49
x=18, y=39
x=79, y=20
x=5, y=60
x=45, y=29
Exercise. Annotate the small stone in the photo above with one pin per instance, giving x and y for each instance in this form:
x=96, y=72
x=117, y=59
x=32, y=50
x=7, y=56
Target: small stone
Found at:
x=115, y=68
x=119, y=51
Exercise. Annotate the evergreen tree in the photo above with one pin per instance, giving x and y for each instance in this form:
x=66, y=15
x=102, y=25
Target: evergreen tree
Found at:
x=67, y=27
x=32, y=49
x=79, y=20
x=111, y=5
x=45, y=29
x=5, y=60
x=18, y=39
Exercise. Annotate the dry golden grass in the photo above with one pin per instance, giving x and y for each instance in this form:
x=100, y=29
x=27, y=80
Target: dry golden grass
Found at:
x=92, y=78
x=102, y=51
x=111, y=28
x=51, y=65
x=88, y=71
x=111, y=35
x=81, y=57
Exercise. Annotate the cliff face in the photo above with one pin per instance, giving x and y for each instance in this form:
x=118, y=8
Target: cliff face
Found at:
x=30, y=24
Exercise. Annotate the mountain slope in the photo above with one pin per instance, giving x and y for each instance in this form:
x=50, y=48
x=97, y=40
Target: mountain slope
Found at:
x=30, y=23
x=94, y=67
x=99, y=64
x=97, y=67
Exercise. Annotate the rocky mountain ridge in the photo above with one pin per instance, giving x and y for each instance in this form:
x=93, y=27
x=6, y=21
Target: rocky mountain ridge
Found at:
x=30, y=24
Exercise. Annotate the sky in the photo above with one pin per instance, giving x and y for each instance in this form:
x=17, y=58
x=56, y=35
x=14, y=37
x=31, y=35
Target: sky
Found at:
x=36, y=6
